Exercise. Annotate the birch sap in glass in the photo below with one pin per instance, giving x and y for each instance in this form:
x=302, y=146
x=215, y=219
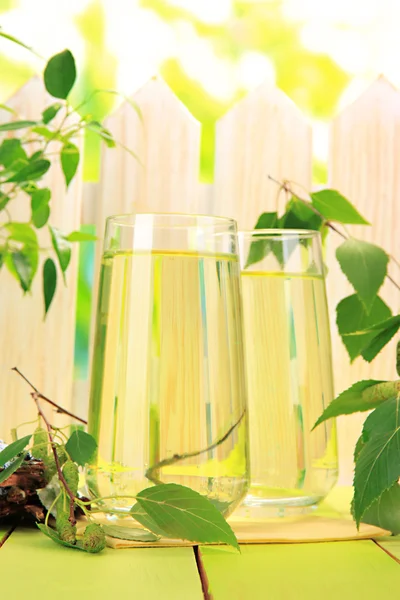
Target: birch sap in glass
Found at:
x=289, y=371
x=168, y=396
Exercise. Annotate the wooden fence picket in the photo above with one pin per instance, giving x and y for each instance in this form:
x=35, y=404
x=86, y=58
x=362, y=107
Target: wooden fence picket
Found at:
x=263, y=134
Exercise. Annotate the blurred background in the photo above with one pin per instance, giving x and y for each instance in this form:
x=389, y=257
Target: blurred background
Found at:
x=211, y=53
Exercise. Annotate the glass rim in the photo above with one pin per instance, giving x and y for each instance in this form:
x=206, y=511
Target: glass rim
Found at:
x=188, y=220
x=279, y=234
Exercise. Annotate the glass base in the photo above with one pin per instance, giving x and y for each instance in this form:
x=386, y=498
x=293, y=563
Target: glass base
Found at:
x=254, y=507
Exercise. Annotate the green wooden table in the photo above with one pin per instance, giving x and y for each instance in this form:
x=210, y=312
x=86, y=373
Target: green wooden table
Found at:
x=33, y=567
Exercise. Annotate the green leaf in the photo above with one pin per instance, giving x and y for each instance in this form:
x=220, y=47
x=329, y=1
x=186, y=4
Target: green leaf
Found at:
x=352, y=319
x=3, y=253
x=32, y=171
x=183, y=513
x=53, y=535
x=23, y=268
x=130, y=533
x=350, y=401
x=60, y=74
x=387, y=329
x=260, y=248
x=4, y=200
x=10, y=151
x=69, y=161
x=80, y=236
x=23, y=262
x=81, y=447
x=385, y=512
x=378, y=466
x=300, y=215
x=50, y=112
x=104, y=133
x=62, y=248
x=141, y=516
x=335, y=207
x=22, y=232
x=12, y=450
x=365, y=266
x=46, y=133
x=13, y=125
x=40, y=207
x=398, y=358
x=49, y=283
x=11, y=468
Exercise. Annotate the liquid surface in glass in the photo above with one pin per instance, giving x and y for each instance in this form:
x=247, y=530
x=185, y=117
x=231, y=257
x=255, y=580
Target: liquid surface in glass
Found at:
x=288, y=359
x=167, y=380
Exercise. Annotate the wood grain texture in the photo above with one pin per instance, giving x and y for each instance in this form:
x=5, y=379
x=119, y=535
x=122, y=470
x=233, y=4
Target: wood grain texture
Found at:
x=164, y=177
x=363, y=165
x=43, y=350
x=301, y=571
x=263, y=134
x=141, y=573
x=166, y=141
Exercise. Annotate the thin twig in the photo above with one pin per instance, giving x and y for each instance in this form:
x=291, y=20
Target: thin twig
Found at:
x=178, y=457
x=59, y=408
x=284, y=185
x=61, y=477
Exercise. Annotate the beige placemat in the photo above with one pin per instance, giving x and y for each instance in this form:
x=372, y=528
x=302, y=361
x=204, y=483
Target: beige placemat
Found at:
x=325, y=524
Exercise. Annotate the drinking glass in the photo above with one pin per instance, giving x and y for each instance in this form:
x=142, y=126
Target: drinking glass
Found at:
x=168, y=393
x=289, y=371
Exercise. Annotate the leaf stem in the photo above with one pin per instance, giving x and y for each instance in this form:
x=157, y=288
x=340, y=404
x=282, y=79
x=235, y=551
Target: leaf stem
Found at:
x=59, y=408
x=36, y=397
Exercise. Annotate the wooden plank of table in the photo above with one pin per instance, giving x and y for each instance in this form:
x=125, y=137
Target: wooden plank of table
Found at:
x=328, y=570
x=391, y=545
x=65, y=573
x=5, y=533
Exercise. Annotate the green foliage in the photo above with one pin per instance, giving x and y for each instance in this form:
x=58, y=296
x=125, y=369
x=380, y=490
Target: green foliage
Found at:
x=69, y=161
x=352, y=400
x=335, y=207
x=386, y=330
x=12, y=457
x=181, y=512
x=40, y=208
x=378, y=467
x=365, y=266
x=14, y=125
x=385, y=511
x=260, y=247
x=353, y=322
x=13, y=450
x=22, y=171
x=81, y=447
x=60, y=74
x=50, y=112
x=11, y=468
x=130, y=533
x=62, y=248
x=49, y=283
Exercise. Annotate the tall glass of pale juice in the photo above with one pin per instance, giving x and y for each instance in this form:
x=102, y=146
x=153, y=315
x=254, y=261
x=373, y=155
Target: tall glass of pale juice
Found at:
x=168, y=394
x=289, y=371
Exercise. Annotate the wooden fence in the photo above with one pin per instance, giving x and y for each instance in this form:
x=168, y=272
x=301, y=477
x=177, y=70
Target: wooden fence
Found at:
x=263, y=134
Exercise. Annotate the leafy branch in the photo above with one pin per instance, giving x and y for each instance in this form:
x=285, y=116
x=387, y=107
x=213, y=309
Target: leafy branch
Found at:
x=365, y=323
x=35, y=147
x=167, y=510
